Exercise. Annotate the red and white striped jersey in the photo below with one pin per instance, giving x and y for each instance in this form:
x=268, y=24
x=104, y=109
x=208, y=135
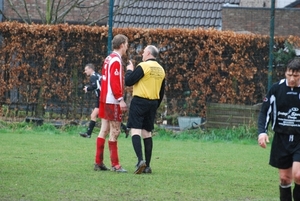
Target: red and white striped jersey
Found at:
x=112, y=79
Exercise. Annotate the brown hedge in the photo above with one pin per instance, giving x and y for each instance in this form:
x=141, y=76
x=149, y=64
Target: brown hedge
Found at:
x=44, y=64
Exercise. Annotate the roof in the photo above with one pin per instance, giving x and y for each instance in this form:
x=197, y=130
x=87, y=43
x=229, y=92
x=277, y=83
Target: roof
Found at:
x=294, y=4
x=170, y=13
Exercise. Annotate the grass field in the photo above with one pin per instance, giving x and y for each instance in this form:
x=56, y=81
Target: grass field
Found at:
x=41, y=164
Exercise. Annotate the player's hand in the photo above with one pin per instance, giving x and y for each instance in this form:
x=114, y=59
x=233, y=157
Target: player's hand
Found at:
x=130, y=66
x=263, y=139
x=85, y=89
x=123, y=106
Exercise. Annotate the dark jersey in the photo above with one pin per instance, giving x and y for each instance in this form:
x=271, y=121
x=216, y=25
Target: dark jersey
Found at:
x=95, y=80
x=281, y=108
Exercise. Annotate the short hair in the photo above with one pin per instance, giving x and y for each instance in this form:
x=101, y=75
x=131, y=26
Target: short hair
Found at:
x=90, y=65
x=294, y=65
x=153, y=50
x=118, y=40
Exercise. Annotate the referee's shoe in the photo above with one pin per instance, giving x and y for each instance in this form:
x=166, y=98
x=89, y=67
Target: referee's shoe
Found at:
x=140, y=167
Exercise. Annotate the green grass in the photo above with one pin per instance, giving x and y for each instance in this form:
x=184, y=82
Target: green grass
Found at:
x=44, y=163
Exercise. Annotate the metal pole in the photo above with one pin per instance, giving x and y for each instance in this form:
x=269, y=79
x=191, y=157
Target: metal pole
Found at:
x=1, y=8
x=270, y=82
x=110, y=25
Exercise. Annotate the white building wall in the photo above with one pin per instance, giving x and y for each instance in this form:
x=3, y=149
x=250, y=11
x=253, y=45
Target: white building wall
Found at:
x=255, y=3
x=283, y=3
x=265, y=3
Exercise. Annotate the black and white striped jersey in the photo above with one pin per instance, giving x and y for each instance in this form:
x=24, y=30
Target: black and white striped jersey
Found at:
x=281, y=109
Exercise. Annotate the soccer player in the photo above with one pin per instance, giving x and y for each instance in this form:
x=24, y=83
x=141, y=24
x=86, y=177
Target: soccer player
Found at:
x=94, y=85
x=111, y=104
x=281, y=107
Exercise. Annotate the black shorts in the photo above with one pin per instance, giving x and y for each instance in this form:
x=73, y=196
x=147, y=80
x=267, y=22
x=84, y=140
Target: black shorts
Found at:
x=285, y=150
x=97, y=103
x=142, y=113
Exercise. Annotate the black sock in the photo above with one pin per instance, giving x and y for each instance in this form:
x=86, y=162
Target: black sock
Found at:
x=91, y=127
x=148, y=144
x=137, y=146
x=285, y=193
x=123, y=127
x=296, y=192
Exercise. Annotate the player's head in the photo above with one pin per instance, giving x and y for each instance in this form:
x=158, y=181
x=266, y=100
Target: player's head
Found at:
x=150, y=52
x=292, y=73
x=120, y=43
x=89, y=69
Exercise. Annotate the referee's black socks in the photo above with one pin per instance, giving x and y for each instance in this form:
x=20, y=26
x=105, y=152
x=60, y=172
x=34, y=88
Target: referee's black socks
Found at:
x=148, y=144
x=137, y=146
x=285, y=193
x=296, y=192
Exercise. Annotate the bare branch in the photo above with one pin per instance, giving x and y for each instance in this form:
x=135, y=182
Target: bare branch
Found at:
x=51, y=10
x=98, y=20
x=83, y=15
x=63, y=14
x=124, y=5
x=64, y=6
x=3, y=14
x=40, y=12
x=56, y=11
x=90, y=9
x=26, y=9
x=87, y=11
x=16, y=11
x=91, y=6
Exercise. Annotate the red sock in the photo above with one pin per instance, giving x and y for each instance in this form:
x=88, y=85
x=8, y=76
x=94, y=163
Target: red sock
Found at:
x=99, y=150
x=114, y=158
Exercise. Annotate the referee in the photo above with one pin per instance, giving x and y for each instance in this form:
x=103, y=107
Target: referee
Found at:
x=148, y=80
x=281, y=107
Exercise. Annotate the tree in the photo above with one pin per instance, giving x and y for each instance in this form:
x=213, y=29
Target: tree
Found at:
x=60, y=11
x=284, y=54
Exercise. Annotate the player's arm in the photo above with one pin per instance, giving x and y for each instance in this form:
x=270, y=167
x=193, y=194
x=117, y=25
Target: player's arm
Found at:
x=133, y=76
x=161, y=93
x=116, y=81
x=264, y=120
x=93, y=83
x=265, y=114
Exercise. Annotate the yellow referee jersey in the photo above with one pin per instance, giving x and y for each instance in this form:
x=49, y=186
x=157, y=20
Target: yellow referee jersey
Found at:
x=150, y=84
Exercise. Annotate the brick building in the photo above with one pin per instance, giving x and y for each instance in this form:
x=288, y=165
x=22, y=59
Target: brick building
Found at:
x=257, y=20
